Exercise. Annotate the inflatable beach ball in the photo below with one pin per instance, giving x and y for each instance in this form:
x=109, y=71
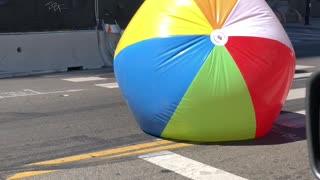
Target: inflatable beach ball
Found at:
x=205, y=70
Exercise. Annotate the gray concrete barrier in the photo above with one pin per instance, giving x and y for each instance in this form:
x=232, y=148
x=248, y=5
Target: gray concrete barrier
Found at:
x=34, y=53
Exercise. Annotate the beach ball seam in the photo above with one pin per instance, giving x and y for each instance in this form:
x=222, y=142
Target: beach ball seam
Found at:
x=145, y=27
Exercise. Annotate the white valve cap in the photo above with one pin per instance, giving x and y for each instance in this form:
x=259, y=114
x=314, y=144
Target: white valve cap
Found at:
x=219, y=38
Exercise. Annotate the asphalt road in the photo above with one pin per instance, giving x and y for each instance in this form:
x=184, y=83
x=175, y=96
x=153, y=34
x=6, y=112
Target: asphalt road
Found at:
x=47, y=117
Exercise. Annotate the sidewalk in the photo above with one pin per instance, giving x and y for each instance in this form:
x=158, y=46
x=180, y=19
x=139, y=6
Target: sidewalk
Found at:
x=315, y=24
x=305, y=39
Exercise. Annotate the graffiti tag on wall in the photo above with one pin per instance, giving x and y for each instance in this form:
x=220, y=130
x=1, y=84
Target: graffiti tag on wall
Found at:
x=54, y=6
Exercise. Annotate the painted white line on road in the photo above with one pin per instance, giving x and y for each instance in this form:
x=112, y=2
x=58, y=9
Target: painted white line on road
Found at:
x=187, y=167
x=302, y=75
x=108, y=85
x=296, y=94
x=299, y=67
x=58, y=92
x=84, y=79
x=32, y=91
x=303, y=112
x=29, y=92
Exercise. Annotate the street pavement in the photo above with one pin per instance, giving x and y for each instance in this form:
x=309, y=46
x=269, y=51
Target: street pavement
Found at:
x=82, y=118
x=76, y=125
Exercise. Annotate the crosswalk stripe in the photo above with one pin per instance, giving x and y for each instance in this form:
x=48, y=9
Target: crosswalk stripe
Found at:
x=302, y=75
x=296, y=94
x=187, y=167
x=299, y=67
x=84, y=79
x=303, y=112
x=108, y=85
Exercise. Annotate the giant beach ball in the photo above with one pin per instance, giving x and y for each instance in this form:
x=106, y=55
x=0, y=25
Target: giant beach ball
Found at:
x=205, y=70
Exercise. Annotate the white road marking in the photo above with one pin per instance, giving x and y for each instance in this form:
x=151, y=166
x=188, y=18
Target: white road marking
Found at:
x=29, y=92
x=303, y=112
x=296, y=94
x=108, y=85
x=32, y=91
x=299, y=67
x=58, y=92
x=84, y=79
x=187, y=167
x=302, y=75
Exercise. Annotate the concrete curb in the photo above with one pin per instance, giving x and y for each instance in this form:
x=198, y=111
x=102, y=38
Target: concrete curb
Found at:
x=302, y=27
x=315, y=25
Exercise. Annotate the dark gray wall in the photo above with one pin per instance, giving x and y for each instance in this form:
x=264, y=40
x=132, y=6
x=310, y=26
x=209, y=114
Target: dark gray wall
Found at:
x=46, y=15
x=120, y=10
